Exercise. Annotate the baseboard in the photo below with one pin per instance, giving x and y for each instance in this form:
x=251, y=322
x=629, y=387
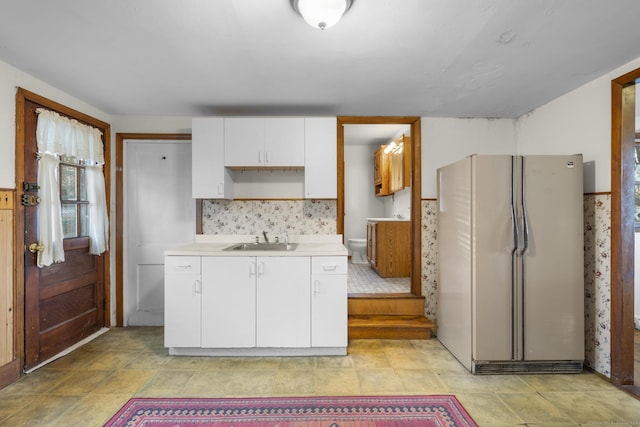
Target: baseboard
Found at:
x=69, y=350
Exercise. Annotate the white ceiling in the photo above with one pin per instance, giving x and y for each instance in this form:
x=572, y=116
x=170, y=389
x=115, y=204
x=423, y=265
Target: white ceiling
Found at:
x=447, y=58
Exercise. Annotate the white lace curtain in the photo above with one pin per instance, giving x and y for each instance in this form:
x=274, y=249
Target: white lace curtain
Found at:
x=60, y=136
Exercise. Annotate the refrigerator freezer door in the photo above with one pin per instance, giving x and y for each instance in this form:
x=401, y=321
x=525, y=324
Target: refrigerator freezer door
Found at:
x=454, y=254
x=553, y=288
x=492, y=243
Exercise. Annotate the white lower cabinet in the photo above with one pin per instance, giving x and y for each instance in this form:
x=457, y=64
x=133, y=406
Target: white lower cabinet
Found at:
x=329, y=301
x=182, y=301
x=273, y=303
x=284, y=306
x=228, y=302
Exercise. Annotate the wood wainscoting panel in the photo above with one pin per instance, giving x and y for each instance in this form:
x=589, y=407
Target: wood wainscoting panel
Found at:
x=6, y=277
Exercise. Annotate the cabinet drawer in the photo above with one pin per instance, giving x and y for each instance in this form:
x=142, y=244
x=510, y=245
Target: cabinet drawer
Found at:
x=182, y=265
x=329, y=265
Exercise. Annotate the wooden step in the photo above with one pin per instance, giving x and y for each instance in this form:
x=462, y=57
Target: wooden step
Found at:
x=389, y=327
x=385, y=304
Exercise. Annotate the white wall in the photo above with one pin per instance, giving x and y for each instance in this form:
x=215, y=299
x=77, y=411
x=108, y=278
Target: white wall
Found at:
x=578, y=122
x=360, y=200
x=10, y=79
x=636, y=290
x=446, y=140
x=398, y=205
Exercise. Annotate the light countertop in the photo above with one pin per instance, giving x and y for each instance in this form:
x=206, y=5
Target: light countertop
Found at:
x=388, y=219
x=308, y=245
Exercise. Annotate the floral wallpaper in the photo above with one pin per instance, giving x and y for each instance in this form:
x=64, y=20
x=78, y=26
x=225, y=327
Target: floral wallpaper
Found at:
x=597, y=282
x=430, y=258
x=319, y=217
x=277, y=217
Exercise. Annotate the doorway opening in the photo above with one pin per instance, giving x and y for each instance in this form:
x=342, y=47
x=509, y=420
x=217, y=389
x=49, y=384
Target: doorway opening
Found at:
x=413, y=206
x=121, y=265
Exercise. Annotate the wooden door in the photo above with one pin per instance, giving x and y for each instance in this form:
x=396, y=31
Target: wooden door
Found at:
x=65, y=302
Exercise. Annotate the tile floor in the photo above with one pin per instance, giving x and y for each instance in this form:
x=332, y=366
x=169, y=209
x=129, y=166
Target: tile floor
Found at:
x=361, y=279
x=90, y=384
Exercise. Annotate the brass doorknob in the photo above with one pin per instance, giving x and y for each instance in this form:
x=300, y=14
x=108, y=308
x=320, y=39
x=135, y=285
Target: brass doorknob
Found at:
x=36, y=247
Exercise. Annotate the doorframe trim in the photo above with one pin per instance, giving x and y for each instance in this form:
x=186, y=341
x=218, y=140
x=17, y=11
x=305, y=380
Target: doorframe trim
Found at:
x=23, y=96
x=622, y=232
x=416, y=184
x=119, y=270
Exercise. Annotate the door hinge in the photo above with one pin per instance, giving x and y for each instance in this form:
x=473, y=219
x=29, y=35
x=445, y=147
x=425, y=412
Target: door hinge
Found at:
x=29, y=186
x=29, y=200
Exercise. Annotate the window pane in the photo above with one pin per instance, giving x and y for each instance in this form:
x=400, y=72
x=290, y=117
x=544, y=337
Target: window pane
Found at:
x=69, y=221
x=83, y=184
x=68, y=159
x=84, y=220
x=68, y=183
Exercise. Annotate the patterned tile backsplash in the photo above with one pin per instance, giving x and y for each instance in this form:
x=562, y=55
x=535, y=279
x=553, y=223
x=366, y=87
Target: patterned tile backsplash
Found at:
x=279, y=217
x=276, y=217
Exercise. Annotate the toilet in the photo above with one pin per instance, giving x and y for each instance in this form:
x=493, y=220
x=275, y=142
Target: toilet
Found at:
x=358, y=248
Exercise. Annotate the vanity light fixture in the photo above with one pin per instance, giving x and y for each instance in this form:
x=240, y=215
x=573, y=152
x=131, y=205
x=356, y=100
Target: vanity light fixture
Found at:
x=389, y=148
x=321, y=14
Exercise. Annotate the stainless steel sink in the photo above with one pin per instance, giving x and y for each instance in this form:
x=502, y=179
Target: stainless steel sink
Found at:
x=262, y=246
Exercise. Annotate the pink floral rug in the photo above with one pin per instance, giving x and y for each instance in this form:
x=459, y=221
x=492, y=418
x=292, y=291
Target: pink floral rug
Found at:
x=371, y=411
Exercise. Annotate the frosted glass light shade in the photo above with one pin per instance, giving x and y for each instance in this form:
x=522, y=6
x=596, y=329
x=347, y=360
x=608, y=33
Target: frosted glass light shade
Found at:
x=321, y=14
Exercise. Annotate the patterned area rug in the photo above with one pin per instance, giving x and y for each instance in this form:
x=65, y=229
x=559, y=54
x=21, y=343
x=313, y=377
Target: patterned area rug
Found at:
x=372, y=411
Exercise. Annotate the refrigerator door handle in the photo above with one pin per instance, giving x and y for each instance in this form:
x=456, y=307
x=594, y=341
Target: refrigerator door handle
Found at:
x=525, y=222
x=514, y=221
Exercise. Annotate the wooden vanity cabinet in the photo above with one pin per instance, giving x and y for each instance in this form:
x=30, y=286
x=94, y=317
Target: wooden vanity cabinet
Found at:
x=389, y=247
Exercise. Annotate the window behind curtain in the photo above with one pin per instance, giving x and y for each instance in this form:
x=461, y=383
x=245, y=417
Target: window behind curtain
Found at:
x=73, y=197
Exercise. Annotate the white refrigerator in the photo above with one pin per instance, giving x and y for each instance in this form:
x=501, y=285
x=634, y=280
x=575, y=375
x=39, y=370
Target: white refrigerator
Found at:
x=511, y=263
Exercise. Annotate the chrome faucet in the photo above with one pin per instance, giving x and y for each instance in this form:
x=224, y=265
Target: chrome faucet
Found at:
x=264, y=233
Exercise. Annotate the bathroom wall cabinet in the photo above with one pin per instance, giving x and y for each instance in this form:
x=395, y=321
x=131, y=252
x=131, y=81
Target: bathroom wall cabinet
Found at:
x=381, y=169
x=389, y=247
x=392, y=170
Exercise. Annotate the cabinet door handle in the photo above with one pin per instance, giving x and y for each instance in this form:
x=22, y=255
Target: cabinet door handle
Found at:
x=197, y=287
x=266, y=157
x=329, y=267
x=259, y=157
x=316, y=287
x=182, y=267
x=220, y=188
x=252, y=268
x=260, y=268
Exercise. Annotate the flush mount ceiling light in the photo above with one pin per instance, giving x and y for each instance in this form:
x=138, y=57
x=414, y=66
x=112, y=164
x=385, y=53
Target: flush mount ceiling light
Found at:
x=321, y=14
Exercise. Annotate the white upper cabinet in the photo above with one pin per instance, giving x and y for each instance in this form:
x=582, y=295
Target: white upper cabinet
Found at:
x=264, y=142
x=320, y=158
x=244, y=141
x=284, y=141
x=210, y=178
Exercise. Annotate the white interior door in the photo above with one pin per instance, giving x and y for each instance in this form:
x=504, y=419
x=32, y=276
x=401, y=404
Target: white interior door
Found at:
x=159, y=214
